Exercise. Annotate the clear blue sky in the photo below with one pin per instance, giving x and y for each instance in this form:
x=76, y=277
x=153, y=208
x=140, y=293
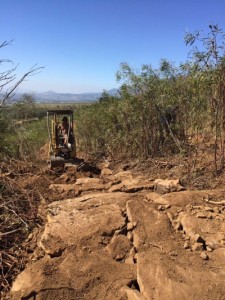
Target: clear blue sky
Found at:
x=81, y=43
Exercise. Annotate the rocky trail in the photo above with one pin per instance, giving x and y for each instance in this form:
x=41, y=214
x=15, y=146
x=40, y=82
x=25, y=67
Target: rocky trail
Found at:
x=113, y=234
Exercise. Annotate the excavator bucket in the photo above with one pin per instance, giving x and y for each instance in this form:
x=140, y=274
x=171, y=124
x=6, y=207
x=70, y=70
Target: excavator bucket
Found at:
x=56, y=162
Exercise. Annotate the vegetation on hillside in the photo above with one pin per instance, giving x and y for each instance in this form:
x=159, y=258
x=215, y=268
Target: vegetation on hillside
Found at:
x=23, y=130
x=159, y=110
x=155, y=113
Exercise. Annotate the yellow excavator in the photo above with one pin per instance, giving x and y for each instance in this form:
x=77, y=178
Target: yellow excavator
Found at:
x=62, y=143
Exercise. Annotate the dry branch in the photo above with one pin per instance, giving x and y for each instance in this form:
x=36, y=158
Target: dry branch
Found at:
x=222, y=202
x=18, y=217
x=33, y=71
x=9, y=232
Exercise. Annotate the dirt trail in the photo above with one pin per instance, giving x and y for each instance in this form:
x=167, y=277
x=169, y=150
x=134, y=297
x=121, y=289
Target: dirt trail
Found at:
x=116, y=235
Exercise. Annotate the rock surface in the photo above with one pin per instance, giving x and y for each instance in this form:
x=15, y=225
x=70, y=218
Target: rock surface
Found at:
x=75, y=263
x=118, y=239
x=163, y=186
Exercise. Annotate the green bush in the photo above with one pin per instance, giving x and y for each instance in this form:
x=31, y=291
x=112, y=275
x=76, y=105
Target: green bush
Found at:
x=21, y=140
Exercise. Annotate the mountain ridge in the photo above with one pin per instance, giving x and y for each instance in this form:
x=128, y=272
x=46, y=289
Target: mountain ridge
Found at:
x=51, y=96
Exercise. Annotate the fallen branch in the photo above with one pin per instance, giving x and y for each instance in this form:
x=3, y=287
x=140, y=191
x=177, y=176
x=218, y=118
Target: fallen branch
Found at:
x=222, y=202
x=10, y=209
x=9, y=232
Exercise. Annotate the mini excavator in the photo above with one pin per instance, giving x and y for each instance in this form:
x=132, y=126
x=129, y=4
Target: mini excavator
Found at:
x=62, y=144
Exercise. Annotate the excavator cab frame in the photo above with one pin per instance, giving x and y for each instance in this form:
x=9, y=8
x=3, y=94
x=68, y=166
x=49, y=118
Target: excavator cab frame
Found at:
x=62, y=147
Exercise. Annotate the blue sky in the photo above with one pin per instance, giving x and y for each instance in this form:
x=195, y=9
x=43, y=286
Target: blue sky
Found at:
x=81, y=43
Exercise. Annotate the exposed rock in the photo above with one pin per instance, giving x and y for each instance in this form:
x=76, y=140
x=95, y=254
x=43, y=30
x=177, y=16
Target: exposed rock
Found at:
x=116, y=188
x=52, y=245
x=81, y=185
x=216, y=209
x=124, y=175
x=77, y=227
x=130, y=236
x=197, y=247
x=183, y=198
x=162, y=186
x=88, y=184
x=105, y=172
x=209, y=232
x=160, y=208
x=160, y=282
x=170, y=216
x=209, y=249
x=204, y=256
x=167, y=206
x=64, y=187
x=212, y=243
x=199, y=239
x=207, y=208
x=186, y=245
x=132, y=294
x=157, y=278
x=119, y=247
x=69, y=277
x=156, y=198
x=177, y=225
x=132, y=186
x=218, y=258
x=137, y=184
x=201, y=215
x=145, y=234
x=129, y=260
x=92, y=248
x=130, y=226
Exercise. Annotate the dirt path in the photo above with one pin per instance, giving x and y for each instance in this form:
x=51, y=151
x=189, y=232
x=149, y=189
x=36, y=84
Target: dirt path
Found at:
x=113, y=237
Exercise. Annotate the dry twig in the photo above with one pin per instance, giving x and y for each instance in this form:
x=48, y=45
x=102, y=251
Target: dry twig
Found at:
x=222, y=202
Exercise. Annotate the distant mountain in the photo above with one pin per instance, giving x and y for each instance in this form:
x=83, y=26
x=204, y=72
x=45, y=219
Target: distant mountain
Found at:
x=113, y=92
x=51, y=96
x=66, y=97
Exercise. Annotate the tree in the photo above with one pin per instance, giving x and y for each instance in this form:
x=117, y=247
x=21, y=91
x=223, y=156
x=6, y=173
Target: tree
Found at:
x=25, y=107
x=152, y=92
x=8, y=78
x=209, y=57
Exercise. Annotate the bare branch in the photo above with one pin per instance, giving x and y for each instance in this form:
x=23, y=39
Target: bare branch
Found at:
x=5, y=60
x=9, y=77
x=6, y=43
x=9, y=232
x=33, y=71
